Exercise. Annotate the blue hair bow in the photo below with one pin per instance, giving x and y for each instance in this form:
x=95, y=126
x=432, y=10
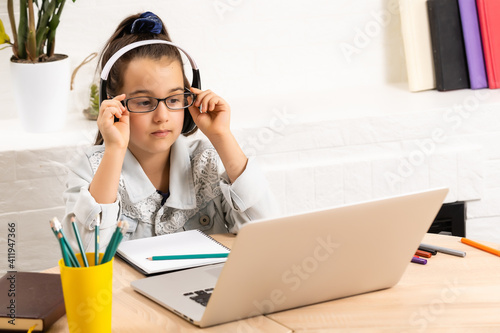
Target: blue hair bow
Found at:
x=147, y=22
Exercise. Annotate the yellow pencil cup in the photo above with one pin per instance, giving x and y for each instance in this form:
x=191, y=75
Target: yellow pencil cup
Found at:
x=88, y=295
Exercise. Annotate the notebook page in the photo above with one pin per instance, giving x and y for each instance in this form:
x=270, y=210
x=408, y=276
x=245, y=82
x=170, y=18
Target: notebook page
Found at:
x=188, y=242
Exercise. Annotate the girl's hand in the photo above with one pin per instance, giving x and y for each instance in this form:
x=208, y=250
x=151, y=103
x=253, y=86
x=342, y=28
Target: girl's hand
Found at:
x=115, y=134
x=213, y=121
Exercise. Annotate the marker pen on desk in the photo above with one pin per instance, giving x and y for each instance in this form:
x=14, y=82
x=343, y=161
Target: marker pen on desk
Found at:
x=426, y=249
x=445, y=250
x=480, y=246
x=424, y=254
x=418, y=260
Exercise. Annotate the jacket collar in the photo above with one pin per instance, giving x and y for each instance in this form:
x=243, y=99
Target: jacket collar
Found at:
x=181, y=187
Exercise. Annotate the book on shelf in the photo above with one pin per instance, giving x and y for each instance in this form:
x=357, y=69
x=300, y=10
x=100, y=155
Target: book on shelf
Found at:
x=473, y=44
x=30, y=299
x=450, y=61
x=488, y=13
x=417, y=44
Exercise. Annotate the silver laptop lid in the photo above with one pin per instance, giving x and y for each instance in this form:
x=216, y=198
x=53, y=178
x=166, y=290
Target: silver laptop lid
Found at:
x=312, y=257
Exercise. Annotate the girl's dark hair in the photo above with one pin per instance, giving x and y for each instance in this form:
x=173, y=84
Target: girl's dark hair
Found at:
x=122, y=37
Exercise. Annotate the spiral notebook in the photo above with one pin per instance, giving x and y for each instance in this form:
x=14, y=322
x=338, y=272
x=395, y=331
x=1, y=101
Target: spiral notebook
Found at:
x=135, y=252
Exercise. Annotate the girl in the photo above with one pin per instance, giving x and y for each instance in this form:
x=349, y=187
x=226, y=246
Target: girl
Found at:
x=143, y=169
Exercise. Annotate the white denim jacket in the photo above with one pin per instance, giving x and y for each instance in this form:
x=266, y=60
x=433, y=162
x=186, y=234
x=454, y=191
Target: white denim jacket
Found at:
x=201, y=196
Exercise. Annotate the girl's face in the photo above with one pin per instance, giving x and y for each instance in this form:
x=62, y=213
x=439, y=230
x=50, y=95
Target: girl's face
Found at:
x=156, y=131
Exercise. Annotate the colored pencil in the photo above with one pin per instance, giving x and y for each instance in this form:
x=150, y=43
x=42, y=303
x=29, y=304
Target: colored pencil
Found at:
x=79, y=241
x=189, y=256
x=480, y=246
x=63, y=250
x=96, y=230
x=114, y=242
x=69, y=251
x=57, y=229
x=119, y=237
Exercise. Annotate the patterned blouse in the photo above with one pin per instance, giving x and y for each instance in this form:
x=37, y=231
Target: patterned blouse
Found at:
x=200, y=196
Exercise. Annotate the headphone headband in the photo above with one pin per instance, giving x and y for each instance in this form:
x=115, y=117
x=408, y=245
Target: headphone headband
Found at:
x=125, y=49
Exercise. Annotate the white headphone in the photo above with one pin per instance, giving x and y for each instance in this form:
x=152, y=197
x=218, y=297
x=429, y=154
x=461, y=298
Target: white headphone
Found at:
x=189, y=124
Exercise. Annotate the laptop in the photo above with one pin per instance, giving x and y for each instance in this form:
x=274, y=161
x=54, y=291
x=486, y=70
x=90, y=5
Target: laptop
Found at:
x=293, y=261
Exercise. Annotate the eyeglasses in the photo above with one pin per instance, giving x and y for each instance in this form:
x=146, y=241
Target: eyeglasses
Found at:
x=145, y=104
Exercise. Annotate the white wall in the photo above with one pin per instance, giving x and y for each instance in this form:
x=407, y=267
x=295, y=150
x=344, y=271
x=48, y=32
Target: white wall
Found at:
x=318, y=92
x=248, y=49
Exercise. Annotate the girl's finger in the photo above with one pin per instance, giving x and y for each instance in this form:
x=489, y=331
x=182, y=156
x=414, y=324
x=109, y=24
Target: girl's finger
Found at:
x=201, y=96
x=205, y=104
x=119, y=99
x=208, y=101
x=213, y=102
x=113, y=112
x=115, y=102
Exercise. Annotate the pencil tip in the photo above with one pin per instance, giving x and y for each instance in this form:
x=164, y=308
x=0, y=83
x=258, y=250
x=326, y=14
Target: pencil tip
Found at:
x=150, y=258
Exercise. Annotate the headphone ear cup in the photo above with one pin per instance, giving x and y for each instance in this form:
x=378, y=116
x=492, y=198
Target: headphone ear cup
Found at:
x=188, y=124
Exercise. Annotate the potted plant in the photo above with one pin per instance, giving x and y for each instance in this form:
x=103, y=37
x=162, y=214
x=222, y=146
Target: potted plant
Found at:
x=92, y=111
x=41, y=78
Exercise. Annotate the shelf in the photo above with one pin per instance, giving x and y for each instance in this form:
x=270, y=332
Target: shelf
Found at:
x=78, y=131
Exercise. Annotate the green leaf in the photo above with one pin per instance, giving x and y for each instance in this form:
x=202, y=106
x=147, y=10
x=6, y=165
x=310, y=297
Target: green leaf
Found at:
x=4, y=38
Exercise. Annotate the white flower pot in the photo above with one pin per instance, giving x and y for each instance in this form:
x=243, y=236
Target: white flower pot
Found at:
x=41, y=92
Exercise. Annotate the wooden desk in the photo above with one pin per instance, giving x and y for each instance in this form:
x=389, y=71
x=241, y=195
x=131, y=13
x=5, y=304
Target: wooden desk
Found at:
x=449, y=294
x=135, y=313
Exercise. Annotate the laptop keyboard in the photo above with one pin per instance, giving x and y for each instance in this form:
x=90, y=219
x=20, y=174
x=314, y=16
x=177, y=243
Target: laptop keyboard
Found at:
x=200, y=296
